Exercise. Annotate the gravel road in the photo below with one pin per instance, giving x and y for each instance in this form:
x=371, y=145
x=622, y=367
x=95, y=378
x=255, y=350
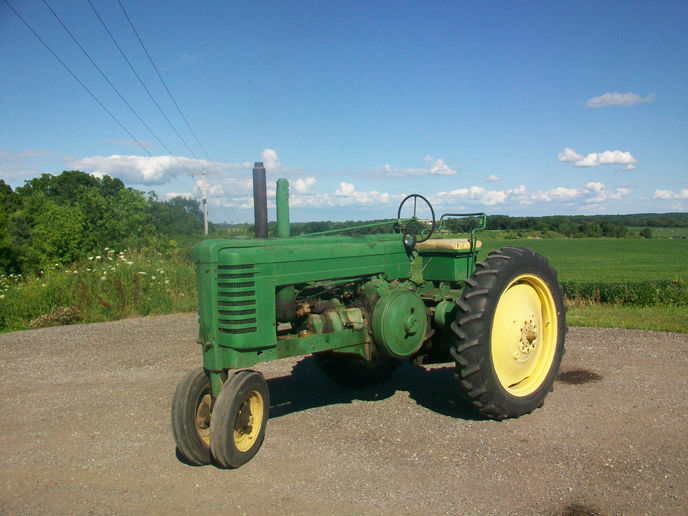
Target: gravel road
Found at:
x=85, y=428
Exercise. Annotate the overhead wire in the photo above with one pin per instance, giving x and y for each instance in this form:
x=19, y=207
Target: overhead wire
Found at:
x=116, y=90
x=124, y=128
x=141, y=80
x=131, y=24
x=109, y=112
x=188, y=125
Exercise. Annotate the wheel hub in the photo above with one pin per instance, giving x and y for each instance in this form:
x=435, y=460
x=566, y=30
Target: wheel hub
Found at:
x=203, y=411
x=527, y=340
x=244, y=421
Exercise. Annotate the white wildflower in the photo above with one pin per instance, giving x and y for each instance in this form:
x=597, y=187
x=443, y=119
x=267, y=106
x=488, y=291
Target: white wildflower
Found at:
x=98, y=257
x=152, y=277
x=103, y=278
x=143, y=273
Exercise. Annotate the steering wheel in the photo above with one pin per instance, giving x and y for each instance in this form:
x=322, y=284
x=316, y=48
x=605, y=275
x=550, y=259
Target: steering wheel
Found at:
x=414, y=229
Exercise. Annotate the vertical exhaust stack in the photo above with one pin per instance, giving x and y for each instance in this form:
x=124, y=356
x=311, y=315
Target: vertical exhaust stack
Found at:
x=260, y=200
x=282, y=201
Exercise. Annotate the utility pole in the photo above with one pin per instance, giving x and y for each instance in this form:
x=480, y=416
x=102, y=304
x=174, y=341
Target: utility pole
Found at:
x=204, y=197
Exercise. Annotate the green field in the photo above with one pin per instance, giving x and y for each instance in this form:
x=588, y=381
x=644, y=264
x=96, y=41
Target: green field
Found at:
x=608, y=260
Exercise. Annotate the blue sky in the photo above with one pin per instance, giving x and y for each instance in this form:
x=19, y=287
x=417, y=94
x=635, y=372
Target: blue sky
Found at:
x=518, y=108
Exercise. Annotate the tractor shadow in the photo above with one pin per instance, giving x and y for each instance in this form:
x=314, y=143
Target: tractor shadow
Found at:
x=307, y=387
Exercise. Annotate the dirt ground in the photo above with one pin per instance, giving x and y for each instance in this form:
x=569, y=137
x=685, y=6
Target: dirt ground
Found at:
x=85, y=428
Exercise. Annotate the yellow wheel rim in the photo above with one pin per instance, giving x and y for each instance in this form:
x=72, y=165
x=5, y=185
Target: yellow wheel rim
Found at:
x=249, y=420
x=203, y=409
x=524, y=335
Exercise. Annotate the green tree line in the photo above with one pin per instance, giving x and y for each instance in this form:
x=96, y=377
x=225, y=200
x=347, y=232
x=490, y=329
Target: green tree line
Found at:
x=64, y=218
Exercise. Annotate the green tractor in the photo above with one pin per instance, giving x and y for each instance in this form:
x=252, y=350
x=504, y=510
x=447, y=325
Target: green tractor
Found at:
x=353, y=303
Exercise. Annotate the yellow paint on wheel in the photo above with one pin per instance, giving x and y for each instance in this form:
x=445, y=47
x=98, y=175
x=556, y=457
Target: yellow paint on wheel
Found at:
x=203, y=416
x=524, y=335
x=249, y=420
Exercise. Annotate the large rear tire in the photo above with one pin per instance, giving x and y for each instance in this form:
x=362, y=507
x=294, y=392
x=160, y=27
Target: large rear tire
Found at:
x=509, y=329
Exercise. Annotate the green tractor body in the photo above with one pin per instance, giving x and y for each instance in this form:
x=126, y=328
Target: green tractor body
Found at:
x=353, y=303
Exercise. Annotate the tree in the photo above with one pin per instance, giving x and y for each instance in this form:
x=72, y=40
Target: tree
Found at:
x=9, y=203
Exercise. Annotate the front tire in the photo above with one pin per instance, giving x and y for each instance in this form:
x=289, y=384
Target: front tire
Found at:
x=191, y=408
x=240, y=415
x=509, y=331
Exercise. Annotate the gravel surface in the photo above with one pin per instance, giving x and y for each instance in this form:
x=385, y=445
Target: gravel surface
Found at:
x=85, y=428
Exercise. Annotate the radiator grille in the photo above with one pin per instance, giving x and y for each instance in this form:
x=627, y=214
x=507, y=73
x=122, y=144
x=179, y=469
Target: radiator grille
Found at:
x=236, y=299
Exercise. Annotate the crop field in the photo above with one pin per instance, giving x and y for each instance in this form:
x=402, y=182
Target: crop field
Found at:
x=608, y=260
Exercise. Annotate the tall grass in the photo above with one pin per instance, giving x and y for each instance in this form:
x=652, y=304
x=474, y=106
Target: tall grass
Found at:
x=112, y=285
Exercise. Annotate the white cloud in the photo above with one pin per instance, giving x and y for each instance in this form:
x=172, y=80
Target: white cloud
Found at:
x=345, y=189
x=492, y=177
x=344, y=196
x=595, y=159
x=172, y=195
x=303, y=186
x=147, y=170
x=476, y=195
x=616, y=158
x=558, y=194
x=591, y=193
x=618, y=99
x=436, y=167
x=569, y=156
x=670, y=194
x=270, y=160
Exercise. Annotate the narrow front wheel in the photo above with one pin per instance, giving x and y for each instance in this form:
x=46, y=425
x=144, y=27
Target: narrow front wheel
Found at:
x=240, y=415
x=191, y=408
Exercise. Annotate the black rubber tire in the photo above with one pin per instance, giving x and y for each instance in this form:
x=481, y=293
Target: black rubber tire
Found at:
x=354, y=372
x=186, y=400
x=228, y=410
x=473, y=348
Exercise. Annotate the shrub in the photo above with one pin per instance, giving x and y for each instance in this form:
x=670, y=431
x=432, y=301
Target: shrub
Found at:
x=642, y=293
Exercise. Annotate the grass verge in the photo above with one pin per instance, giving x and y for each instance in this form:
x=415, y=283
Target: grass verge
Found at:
x=106, y=287
x=662, y=318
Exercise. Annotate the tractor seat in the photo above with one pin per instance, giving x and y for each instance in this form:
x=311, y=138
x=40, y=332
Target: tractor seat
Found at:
x=448, y=244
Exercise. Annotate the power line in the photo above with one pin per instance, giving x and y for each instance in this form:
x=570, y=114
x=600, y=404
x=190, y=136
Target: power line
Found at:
x=115, y=89
x=93, y=96
x=165, y=85
x=205, y=152
x=102, y=105
x=77, y=79
x=141, y=80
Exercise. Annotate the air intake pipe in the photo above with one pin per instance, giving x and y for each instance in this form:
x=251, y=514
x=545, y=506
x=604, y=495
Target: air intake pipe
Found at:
x=260, y=200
